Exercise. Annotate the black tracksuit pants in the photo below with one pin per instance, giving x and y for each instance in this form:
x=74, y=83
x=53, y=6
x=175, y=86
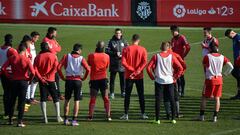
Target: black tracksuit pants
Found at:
x=112, y=81
x=19, y=90
x=166, y=92
x=140, y=91
x=6, y=84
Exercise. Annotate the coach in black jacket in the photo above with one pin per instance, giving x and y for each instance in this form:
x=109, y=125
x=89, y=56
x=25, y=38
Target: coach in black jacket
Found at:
x=114, y=50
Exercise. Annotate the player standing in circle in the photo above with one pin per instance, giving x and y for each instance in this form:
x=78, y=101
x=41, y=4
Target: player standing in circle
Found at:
x=45, y=65
x=99, y=63
x=114, y=50
x=32, y=87
x=54, y=48
x=134, y=59
x=176, y=88
x=208, y=39
x=236, y=53
x=213, y=64
x=22, y=73
x=6, y=51
x=74, y=65
x=164, y=69
x=180, y=46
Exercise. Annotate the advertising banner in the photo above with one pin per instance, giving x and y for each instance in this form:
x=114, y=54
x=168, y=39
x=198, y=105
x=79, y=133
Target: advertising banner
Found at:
x=144, y=12
x=5, y=9
x=72, y=11
x=204, y=11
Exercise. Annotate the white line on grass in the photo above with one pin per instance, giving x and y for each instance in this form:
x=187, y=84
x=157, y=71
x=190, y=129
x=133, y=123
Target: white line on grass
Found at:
x=195, y=43
x=226, y=132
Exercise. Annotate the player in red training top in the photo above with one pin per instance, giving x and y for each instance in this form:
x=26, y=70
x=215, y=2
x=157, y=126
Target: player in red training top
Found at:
x=22, y=72
x=180, y=46
x=213, y=64
x=6, y=51
x=45, y=65
x=32, y=87
x=74, y=65
x=164, y=69
x=99, y=62
x=27, y=40
x=54, y=48
x=134, y=60
x=177, y=87
x=208, y=39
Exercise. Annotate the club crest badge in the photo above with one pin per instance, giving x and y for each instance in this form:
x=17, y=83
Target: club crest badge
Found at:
x=144, y=10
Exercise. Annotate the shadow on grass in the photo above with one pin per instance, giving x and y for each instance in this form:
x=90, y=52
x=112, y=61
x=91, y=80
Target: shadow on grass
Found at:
x=189, y=106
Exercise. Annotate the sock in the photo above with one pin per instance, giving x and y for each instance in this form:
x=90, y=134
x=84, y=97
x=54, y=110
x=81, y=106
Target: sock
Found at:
x=91, y=106
x=238, y=92
x=215, y=113
x=57, y=108
x=28, y=92
x=177, y=107
x=107, y=105
x=65, y=117
x=44, y=109
x=202, y=112
x=167, y=107
x=74, y=118
x=33, y=89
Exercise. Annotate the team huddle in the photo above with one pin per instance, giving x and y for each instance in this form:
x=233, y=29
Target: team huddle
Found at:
x=22, y=69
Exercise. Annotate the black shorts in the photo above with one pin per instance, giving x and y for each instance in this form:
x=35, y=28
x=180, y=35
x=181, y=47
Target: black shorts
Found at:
x=101, y=85
x=73, y=86
x=50, y=88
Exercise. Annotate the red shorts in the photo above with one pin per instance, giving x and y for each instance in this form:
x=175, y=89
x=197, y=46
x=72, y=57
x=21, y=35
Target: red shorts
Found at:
x=212, y=90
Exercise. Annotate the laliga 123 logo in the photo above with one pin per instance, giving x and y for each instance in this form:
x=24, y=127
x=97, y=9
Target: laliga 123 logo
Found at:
x=37, y=8
x=179, y=11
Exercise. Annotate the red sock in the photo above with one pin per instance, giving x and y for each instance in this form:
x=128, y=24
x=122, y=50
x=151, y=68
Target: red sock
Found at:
x=107, y=105
x=91, y=106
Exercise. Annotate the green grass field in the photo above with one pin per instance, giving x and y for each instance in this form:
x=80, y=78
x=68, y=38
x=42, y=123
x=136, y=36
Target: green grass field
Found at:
x=151, y=37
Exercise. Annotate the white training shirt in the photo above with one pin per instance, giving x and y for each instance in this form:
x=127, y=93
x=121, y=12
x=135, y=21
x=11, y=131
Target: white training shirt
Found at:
x=164, y=70
x=215, y=66
x=74, y=66
x=33, y=52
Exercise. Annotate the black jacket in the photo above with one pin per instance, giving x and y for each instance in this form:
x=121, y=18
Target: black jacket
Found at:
x=115, y=45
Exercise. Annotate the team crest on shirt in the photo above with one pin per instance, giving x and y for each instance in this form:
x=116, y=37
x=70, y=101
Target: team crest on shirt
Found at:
x=114, y=45
x=143, y=10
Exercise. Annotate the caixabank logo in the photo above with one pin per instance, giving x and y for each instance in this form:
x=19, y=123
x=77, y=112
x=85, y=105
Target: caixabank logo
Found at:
x=39, y=7
x=2, y=9
x=58, y=8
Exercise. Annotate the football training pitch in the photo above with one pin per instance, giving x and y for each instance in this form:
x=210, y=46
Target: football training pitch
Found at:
x=151, y=37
